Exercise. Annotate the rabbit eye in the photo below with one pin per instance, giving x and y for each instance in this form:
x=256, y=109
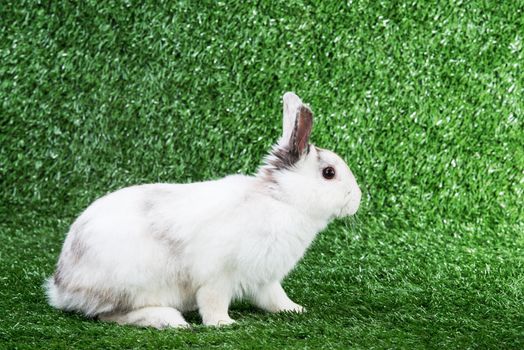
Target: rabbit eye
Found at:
x=328, y=173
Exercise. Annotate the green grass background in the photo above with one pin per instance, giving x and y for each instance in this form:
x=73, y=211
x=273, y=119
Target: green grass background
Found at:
x=424, y=100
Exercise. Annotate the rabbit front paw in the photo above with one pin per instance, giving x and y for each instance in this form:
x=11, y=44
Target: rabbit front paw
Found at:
x=292, y=307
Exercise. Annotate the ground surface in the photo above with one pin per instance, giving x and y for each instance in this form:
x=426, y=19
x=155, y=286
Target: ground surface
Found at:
x=425, y=102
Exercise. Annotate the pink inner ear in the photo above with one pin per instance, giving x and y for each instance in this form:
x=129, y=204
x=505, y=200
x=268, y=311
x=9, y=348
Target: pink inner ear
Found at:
x=304, y=126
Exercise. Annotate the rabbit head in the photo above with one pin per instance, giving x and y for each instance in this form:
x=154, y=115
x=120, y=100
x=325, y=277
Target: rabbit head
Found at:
x=311, y=178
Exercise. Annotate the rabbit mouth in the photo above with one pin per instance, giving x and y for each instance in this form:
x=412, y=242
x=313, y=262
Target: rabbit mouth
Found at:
x=345, y=209
x=350, y=206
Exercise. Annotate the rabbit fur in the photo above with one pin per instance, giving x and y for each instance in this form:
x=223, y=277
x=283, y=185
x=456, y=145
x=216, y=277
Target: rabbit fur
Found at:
x=145, y=254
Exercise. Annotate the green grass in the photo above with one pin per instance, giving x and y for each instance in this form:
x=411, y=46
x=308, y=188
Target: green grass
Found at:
x=425, y=101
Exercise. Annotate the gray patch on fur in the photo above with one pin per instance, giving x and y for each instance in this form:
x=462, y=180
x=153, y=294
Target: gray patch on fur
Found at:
x=121, y=302
x=283, y=159
x=148, y=205
x=78, y=247
x=90, y=301
x=95, y=300
x=153, y=197
x=76, y=251
x=174, y=245
x=58, y=276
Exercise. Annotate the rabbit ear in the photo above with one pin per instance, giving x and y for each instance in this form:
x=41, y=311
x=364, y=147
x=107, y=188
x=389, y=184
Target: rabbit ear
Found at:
x=291, y=104
x=298, y=121
x=297, y=124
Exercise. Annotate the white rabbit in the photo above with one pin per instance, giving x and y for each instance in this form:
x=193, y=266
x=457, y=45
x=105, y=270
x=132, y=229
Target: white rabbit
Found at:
x=145, y=254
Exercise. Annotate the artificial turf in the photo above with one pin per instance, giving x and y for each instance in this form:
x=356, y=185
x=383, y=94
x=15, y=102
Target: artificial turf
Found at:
x=424, y=100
